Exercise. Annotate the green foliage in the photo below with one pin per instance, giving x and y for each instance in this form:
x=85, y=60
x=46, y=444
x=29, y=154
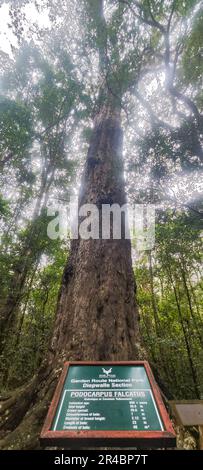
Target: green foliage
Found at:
x=15, y=130
x=4, y=207
x=192, y=58
x=53, y=88
x=164, y=151
x=56, y=95
x=176, y=320
x=35, y=140
x=35, y=319
x=184, y=7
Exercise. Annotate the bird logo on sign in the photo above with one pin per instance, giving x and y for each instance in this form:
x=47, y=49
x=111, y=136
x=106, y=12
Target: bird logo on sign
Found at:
x=107, y=372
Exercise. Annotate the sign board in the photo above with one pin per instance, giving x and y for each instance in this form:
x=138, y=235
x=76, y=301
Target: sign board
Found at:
x=188, y=412
x=107, y=403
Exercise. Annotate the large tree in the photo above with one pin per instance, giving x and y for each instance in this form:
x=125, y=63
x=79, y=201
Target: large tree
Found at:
x=114, y=44
x=96, y=315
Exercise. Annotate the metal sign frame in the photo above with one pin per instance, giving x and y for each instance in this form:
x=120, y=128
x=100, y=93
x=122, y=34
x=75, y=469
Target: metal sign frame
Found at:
x=94, y=438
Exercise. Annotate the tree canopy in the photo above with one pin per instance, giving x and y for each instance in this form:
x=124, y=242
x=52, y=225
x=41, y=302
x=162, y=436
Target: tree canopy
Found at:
x=59, y=61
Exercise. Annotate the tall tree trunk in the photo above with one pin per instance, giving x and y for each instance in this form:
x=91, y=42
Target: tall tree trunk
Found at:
x=158, y=328
x=21, y=269
x=96, y=316
x=15, y=332
x=192, y=313
x=97, y=296
x=147, y=329
x=153, y=299
x=185, y=335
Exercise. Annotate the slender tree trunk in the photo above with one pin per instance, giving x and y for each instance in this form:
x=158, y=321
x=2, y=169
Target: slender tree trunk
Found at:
x=15, y=332
x=22, y=317
x=192, y=313
x=21, y=270
x=147, y=328
x=96, y=316
x=153, y=299
x=190, y=359
x=158, y=329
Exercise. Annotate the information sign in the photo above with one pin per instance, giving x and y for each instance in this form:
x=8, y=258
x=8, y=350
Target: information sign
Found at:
x=102, y=402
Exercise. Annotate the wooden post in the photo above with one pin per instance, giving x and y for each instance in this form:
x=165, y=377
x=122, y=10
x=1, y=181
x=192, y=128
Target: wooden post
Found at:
x=189, y=413
x=201, y=437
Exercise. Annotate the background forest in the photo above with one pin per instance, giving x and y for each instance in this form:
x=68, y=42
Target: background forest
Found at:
x=48, y=97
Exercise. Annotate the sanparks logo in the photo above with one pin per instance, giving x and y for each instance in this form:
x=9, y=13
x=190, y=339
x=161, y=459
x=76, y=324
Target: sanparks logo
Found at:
x=107, y=373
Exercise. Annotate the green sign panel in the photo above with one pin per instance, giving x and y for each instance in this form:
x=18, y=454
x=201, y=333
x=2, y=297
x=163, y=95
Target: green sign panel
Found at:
x=101, y=398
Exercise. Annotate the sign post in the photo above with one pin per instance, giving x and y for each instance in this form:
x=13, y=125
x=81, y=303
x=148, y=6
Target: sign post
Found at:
x=116, y=404
x=189, y=413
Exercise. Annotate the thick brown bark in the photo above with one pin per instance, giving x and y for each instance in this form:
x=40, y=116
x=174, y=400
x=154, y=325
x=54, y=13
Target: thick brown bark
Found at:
x=96, y=316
